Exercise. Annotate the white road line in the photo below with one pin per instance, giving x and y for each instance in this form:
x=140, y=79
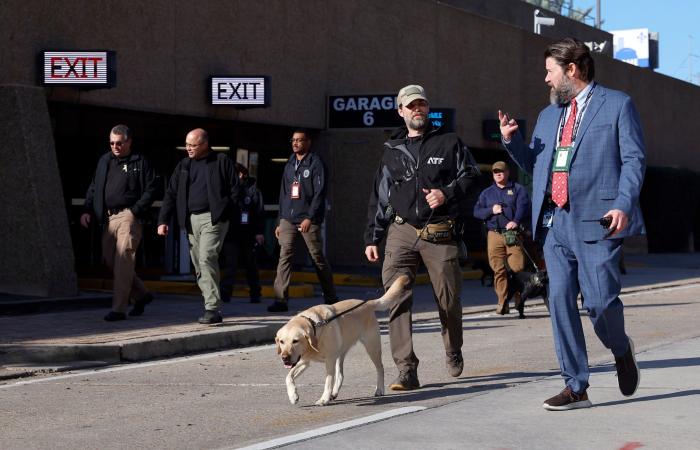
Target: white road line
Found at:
x=305, y=436
x=131, y=366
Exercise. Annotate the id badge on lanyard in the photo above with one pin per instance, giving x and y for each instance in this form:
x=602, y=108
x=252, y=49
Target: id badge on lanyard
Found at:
x=244, y=218
x=562, y=159
x=296, y=189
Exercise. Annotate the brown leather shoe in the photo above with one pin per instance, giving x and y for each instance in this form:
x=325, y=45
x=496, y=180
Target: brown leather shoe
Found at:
x=566, y=400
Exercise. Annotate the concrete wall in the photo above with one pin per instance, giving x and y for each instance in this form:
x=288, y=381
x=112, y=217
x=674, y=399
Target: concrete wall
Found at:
x=36, y=256
x=312, y=48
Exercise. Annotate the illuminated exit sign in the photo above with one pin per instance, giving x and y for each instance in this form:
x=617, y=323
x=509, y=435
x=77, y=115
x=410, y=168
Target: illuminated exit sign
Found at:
x=242, y=91
x=79, y=68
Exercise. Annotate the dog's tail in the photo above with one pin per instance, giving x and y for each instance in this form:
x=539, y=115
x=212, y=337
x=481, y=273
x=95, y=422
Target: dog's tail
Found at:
x=391, y=296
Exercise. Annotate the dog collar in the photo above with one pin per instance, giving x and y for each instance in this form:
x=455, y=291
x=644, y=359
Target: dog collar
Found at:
x=316, y=324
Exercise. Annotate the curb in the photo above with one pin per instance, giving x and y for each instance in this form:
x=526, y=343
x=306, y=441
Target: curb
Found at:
x=217, y=337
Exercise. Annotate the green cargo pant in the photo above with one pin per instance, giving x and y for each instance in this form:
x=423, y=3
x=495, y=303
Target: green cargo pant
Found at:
x=205, y=244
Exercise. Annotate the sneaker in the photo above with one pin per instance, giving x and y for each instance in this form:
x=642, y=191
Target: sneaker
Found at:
x=210, y=317
x=566, y=400
x=113, y=316
x=278, y=306
x=406, y=381
x=455, y=364
x=627, y=371
x=140, y=305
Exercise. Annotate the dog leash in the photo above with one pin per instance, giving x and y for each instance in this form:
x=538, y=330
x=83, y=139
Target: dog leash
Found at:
x=325, y=322
x=522, y=246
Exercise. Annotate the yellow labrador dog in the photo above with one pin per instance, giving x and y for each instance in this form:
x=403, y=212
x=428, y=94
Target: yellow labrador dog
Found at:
x=326, y=332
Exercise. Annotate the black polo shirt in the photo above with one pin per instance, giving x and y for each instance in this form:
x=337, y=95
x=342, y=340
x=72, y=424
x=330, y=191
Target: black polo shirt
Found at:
x=121, y=186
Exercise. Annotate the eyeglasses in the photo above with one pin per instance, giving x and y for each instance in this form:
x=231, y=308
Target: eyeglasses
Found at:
x=116, y=143
x=497, y=171
x=299, y=140
x=192, y=145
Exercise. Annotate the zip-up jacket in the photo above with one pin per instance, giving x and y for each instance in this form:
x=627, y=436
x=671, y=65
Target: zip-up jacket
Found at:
x=141, y=176
x=311, y=176
x=223, y=190
x=513, y=199
x=444, y=163
x=252, y=203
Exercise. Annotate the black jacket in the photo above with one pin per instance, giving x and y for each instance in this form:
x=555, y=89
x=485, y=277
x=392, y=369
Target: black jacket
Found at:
x=141, y=177
x=445, y=163
x=223, y=190
x=311, y=204
x=251, y=202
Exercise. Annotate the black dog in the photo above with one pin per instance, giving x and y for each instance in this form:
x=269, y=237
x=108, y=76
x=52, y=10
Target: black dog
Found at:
x=486, y=271
x=529, y=284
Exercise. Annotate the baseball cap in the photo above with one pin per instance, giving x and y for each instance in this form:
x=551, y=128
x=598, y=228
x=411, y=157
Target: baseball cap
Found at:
x=409, y=93
x=499, y=165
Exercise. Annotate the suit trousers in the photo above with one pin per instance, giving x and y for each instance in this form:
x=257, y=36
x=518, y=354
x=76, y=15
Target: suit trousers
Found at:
x=314, y=243
x=206, y=240
x=401, y=258
x=120, y=240
x=591, y=268
x=498, y=251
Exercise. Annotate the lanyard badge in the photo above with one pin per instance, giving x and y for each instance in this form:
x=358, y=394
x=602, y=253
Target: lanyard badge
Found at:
x=296, y=190
x=562, y=159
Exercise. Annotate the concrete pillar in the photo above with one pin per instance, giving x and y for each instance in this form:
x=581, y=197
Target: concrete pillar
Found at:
x=36, y=255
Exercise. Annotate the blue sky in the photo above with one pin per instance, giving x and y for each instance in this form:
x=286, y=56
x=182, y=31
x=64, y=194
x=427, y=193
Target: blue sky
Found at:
x=675, y=21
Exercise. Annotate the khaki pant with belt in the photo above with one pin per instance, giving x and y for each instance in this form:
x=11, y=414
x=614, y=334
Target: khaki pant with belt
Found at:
x=206, y=241
x=498, y=251
x=314, y=242
x=120, y=240
x=400, y=258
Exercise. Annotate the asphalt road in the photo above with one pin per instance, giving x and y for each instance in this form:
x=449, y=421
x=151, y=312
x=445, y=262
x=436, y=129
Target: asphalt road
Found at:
x=237, y=398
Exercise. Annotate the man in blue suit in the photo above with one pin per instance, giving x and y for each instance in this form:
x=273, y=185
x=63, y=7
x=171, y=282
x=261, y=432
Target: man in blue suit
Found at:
x=586, y=156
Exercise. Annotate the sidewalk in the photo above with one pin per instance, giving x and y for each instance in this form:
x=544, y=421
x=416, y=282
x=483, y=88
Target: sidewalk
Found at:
x=57, y=341
x=662, y=414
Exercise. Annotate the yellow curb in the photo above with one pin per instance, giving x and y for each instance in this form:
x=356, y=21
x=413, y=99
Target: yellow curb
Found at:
x=185, y=287
x=304, y=288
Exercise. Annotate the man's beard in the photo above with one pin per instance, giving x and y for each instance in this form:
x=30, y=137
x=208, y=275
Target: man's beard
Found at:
x=562, y=94
x=418, y=123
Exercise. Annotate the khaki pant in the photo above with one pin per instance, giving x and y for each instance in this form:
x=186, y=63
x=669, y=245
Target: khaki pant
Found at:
x=120, y=240
x=498, y=251
x=205, y=244
x=314, y=243
x=401, y=258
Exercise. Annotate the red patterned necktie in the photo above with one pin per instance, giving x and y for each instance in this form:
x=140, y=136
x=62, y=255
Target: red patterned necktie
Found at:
x=560, y=180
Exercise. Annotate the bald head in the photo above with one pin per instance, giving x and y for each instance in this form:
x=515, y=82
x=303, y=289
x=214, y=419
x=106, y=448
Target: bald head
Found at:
x=197, y=143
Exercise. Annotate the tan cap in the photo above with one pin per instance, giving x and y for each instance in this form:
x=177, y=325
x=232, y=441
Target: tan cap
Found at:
x=410, y=93
x=500, y=165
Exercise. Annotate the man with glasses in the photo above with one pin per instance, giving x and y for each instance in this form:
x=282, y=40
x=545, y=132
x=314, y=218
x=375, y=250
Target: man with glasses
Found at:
x=503, y=207
x=120, y=195
x=204, y=190
x=302, y=209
